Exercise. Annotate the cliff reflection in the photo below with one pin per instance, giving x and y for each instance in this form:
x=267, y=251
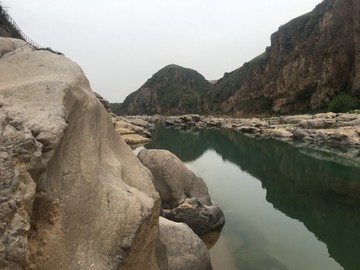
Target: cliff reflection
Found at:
x=323, y=194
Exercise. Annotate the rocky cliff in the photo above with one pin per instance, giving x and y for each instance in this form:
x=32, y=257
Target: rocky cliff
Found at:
x=313, y=64
x=311, y=60
x=172, y=90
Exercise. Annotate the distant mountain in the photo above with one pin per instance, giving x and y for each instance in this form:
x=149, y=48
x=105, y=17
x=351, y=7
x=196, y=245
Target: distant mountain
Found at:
x=313, y=64
x=171, y=90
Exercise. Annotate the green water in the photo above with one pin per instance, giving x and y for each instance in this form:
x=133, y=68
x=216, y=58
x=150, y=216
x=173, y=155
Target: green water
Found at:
x=285, y=207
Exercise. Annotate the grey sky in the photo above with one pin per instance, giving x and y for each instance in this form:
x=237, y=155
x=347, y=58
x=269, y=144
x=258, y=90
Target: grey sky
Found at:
x=121, y=43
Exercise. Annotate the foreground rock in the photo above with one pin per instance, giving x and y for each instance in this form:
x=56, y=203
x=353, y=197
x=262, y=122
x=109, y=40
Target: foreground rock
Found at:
x=73, y=195
x=184, y=249
x=184, y=196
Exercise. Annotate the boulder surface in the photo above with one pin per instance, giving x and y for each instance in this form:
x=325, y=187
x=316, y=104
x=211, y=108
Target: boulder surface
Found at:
x=184, y=249
x=73, y=195
x=184, y=196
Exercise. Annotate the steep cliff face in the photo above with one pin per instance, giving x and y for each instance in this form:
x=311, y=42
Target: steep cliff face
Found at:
x=73, y=195
x=311, y=60
x=172, y=90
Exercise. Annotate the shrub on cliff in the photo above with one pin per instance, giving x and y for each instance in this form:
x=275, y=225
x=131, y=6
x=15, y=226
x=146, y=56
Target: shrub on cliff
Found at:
x=343, y=103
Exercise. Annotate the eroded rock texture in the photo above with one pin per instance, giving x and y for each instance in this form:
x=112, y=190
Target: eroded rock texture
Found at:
x=310, y=61
x=73, y=195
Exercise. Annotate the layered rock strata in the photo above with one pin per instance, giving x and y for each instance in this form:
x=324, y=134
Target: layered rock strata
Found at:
x=310, y=61
x=135, y=133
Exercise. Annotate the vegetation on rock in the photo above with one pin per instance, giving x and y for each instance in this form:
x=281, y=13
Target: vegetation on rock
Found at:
x=172, y=90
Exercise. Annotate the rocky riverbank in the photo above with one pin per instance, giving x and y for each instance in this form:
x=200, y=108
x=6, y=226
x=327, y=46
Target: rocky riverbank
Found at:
x=134, y=131
x=325, y=131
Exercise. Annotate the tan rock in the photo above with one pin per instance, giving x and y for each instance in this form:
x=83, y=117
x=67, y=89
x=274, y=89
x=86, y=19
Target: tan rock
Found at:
x=133, y=135
x=135, y=139
x=184, y=249
x=95, y=206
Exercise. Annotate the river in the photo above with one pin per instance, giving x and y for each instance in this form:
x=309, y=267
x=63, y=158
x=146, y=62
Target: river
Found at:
x=286, y=207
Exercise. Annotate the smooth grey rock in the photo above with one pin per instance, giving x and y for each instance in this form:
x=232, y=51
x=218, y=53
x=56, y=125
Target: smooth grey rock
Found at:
x=184, y=249
x=184, y=196
x=172, y=179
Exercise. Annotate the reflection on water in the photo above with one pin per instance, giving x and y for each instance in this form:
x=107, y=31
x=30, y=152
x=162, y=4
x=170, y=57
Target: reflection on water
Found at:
x=284, y=208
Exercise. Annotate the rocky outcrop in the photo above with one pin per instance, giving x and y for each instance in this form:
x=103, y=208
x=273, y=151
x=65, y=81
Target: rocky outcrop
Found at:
x=311, y=60
x=73, y=195
x=184, y=196
x=134, y=132
x=172, y=90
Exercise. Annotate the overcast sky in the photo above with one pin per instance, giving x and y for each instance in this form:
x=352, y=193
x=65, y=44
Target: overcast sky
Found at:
x=121, y=43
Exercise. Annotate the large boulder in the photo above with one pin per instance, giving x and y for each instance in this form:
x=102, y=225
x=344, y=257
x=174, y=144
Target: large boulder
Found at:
x=173, y=180
x=184, y=249
x=72, y=193
x=184, y=196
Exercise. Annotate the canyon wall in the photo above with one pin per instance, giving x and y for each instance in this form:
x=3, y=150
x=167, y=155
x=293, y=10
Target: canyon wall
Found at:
x=311, y=60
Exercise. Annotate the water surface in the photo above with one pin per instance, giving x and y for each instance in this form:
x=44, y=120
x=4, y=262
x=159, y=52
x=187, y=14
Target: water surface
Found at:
x=285, y=207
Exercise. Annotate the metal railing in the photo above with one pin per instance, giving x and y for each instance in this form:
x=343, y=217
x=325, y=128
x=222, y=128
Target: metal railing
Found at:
x=17, y=28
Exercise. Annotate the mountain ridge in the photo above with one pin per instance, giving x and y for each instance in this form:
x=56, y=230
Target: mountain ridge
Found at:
x=313, y=64
x=171, y=90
